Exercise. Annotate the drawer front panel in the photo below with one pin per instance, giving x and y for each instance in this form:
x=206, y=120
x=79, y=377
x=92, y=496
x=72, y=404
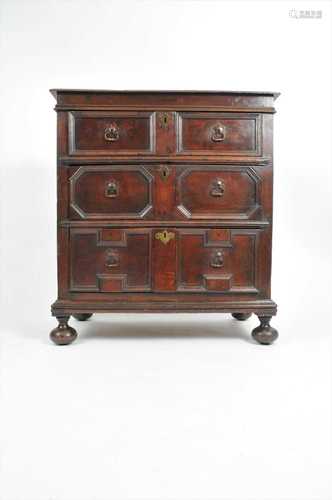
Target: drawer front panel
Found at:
x=164, y=260
x=219, y=133
x=103, y=192
x=111, y=133
x=206, y=192
x=221, y=260
x=110, y=261
x=164, y=192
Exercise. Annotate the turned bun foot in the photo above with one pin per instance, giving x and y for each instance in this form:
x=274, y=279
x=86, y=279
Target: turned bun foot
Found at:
x=264, y=333
x=241, y=316
x=82, y=316
x=63, y=334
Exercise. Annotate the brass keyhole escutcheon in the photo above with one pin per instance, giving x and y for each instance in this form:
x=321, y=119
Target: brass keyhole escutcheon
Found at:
x=165, y=236
x=164, y=121
x=164, y=172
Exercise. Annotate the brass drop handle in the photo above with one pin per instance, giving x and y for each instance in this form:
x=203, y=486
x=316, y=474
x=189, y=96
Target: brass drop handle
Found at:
x=218, y=188
x=218, y=133
x=112, y=259
x=217, y=259
x=111, y=133
x=112, y=189
x=164, y=236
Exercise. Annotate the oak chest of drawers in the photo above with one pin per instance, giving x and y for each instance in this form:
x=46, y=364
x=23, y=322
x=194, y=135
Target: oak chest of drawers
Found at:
x=164, y=204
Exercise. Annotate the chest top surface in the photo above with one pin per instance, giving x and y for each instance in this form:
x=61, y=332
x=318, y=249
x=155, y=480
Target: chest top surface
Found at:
x=167, y=98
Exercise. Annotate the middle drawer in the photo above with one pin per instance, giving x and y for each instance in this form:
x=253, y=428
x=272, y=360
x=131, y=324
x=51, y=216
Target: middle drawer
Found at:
x=164, y=192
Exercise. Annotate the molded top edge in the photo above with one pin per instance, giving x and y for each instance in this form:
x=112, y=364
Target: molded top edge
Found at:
x=55, y=92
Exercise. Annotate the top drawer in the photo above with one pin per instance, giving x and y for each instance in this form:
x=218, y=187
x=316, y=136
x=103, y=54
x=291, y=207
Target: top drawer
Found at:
x=146, y=133
x=110, y=133
x=219, y=134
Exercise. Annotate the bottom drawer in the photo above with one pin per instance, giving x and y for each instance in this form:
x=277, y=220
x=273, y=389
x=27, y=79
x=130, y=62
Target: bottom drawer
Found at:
x=164, y=260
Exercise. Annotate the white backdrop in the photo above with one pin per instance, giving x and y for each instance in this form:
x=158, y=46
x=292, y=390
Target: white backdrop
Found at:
x=166, y=407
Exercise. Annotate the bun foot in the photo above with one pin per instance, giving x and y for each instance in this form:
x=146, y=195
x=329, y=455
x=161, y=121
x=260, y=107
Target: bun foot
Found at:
x=241, y=316
x=82, y=316
x=264, y=333
x=63, y=334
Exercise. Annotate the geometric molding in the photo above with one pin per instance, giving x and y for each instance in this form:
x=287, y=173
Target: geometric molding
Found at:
x=223, y=280
x=111, y=279
x=257, y=133
x=84, y=170
x=222, y=214
x=119, y=117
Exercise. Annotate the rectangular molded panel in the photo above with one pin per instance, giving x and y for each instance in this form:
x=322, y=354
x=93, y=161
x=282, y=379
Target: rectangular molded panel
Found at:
x=106, y=262
x=111, y=133
x=212, y=262
x=219, y=133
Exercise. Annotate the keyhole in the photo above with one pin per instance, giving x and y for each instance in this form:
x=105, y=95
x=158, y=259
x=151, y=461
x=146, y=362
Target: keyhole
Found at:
x=164, y=121
x=164, y=172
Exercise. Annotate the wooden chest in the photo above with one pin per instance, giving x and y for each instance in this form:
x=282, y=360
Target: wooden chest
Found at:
x=164, y=204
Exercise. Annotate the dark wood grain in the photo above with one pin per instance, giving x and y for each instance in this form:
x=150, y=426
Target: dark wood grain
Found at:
x=196, y=133
x=164, y=261
x=227, y=266
x=90, y=197
x=135, y=133
x=117, y=99
x=208, y=192
x=164, y=204
x=110, y=266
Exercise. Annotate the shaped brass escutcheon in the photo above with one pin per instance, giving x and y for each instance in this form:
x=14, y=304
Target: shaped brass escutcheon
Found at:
x=164, y=236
